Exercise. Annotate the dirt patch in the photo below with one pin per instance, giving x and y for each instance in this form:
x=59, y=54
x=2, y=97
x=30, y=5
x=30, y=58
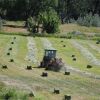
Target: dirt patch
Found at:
x=14, y=29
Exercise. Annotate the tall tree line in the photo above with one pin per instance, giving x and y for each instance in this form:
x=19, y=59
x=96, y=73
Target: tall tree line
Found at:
x=66, y=9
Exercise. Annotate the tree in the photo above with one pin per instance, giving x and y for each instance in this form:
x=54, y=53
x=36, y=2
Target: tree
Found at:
x=31, y=25
x=49, y=20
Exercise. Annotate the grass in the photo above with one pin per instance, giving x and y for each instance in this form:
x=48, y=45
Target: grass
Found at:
x=92, y=50
x=1, y=85
x=12, y=94
x=40, y=49
x=15, y=23
x=68, y=51
x=74, y=27
x=80, y=87
x=21, y=49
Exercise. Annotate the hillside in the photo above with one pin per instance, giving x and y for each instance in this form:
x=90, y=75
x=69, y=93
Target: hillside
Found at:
x=81, y=84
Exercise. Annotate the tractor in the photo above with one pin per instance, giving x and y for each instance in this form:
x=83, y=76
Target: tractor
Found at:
x=50, y=62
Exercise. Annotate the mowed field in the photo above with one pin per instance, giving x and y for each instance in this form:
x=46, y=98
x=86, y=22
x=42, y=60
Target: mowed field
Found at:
x=81, y=84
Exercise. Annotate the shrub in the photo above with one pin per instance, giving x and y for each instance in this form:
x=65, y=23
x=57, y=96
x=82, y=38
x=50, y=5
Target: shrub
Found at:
x=1, y=85
x=96, y=20
x=72, y=20
x=89, y=20
x=0, y=23
x=50, y=20
x=31, y=24
x=12, y=94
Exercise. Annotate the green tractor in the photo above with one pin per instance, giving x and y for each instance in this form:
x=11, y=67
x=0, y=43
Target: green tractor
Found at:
x=50, y=62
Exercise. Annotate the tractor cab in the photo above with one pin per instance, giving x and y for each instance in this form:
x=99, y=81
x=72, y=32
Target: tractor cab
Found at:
x=50, y=53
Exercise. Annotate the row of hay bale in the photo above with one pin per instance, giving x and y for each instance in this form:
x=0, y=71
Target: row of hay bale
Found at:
x=45, y=74
x=10, y=49
x=8, y=54
x=55, y=91
x=74, y=59
x=66, y=97
x=63, y=44
x=74, y=56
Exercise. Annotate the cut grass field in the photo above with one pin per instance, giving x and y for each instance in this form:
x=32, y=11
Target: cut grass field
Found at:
x=66, y=53
x=80, y=87
x=74, y=27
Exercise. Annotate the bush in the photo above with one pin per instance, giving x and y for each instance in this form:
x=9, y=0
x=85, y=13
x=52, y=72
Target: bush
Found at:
x=96, y=20
x=89, y=20
x=50, y=21
x=12, y=94
x=31, y=24
x=1, y=85
x=0, y=23
x=72, y=20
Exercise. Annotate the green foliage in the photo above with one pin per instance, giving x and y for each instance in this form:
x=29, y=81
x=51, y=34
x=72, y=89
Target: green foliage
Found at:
x=66, y=9
x=0, y=23
x=31, y=25
x=12, y=94
x=89, y=20
x=96, y=20
x=50, y=20
x=1, y=85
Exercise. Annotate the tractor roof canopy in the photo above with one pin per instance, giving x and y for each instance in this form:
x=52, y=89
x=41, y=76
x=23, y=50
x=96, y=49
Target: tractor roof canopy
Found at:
x=51, y=53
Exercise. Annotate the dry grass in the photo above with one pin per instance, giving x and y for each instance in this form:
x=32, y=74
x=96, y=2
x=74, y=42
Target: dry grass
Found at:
x=80, y=87
x=16, y=23
x=14, y=30
x=74, y=27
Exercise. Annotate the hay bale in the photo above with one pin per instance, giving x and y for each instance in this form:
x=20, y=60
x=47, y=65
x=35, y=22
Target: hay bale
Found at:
x=56, y=91
x=14, y=38
x=11, y=60
x=97, y=42
x=74, y=59
x=4, y=66
x=29, y=67
x=67, y=97
x=64, y=45
x=67, y=73
x=89, y=66
x=44, y=74
x=8, y=53
x=73, y=55
x=10, y=48
x=31, y=94
x=12, y=42
x=62, y=41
